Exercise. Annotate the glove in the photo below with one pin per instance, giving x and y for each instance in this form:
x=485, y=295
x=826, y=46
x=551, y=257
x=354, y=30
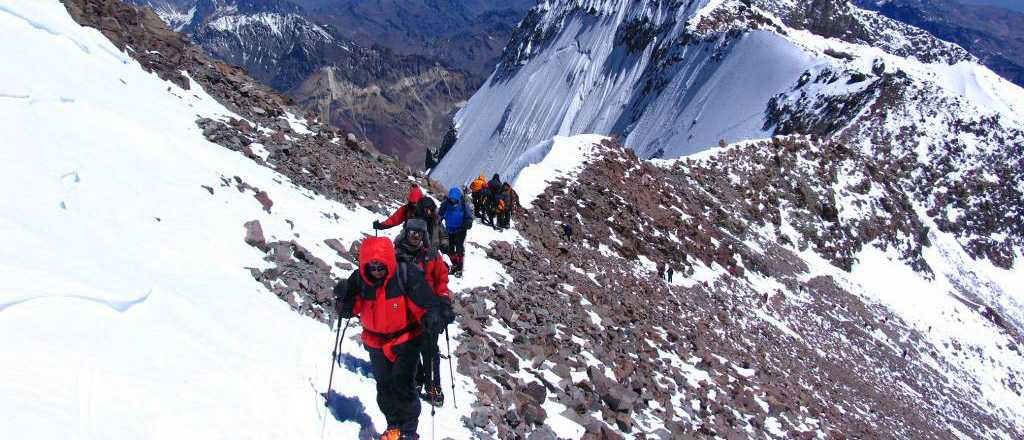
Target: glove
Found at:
x=344, y=308
x=377, y=225
x=448, y=313
x=434, y=322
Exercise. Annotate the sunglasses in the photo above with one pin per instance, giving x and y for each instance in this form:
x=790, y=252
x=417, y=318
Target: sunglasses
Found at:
x=415, y=235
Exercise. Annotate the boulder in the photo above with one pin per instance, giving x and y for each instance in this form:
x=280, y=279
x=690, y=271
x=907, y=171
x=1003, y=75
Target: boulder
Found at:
x=254, y=235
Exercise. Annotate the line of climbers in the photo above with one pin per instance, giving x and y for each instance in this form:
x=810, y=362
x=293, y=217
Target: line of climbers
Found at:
x=494, y=200
x=400, y=294
x=456, y=213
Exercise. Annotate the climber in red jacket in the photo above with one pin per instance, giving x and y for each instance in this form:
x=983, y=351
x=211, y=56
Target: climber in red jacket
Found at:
x=403, y=213
x=396, y=307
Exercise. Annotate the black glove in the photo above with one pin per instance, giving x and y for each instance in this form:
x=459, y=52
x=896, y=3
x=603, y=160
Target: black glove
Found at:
x=344, y=308
x=344, y=299
x=377, y=225
x=447, y=313
x=434, y=323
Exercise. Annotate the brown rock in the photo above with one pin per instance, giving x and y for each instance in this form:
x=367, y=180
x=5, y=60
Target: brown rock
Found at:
x=254, y=235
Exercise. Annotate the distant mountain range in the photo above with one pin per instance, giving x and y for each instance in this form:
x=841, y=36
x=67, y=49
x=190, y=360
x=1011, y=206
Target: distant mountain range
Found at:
x=991, y=33
x=391, y=72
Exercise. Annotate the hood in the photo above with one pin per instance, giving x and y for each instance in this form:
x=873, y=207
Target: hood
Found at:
x=414, y=224
x=424, y=205
x=415, y=194
x=455, y=194
x=481, y=178
x=377, y=249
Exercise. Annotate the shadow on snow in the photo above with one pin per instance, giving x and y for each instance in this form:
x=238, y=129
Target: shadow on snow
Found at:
x=351, y=409
x=355, y=365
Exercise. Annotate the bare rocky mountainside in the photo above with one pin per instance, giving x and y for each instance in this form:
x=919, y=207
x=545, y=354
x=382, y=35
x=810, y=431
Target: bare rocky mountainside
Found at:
x=854, y=273
x=396, y=86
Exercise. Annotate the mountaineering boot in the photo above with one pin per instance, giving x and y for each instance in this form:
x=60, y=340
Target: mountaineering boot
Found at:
x=392, y=434
x=434, y=396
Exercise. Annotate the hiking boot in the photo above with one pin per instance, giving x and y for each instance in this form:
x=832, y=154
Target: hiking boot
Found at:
x=433, y=396
x=392, y=434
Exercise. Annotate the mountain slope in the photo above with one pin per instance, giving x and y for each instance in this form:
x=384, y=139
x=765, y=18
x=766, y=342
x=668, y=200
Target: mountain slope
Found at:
x=673, y=80
x=762, y=333
x=468, y=35
x=990, y=33
x=159, y=284
x=401, y=103
x=180, y=223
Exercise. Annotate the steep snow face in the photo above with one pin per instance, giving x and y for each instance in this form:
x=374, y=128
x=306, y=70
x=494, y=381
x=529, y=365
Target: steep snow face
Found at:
x=557, y=158
x=128, y=308
x=675, y=78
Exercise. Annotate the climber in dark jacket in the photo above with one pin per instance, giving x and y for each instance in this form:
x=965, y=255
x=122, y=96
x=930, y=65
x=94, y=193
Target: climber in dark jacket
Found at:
x=413, y=247
x=396, y=307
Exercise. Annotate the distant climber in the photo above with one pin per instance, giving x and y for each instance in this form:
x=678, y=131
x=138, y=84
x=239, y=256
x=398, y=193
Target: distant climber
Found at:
x=504, y=206
x=491, y=199
x=457, y=216
x=566, y=231
x=426, y=210
x=396, y=307
x=413, y=246
x=405, y=212
x=670, y=273
x=478, y=189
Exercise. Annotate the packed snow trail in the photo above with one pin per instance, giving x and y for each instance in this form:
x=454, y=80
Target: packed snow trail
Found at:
x=128, y=308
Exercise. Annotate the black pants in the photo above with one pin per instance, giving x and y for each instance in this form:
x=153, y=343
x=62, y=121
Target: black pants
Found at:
x=396, y=385
x=457, y=241
x=478, y=204
x=431, y=372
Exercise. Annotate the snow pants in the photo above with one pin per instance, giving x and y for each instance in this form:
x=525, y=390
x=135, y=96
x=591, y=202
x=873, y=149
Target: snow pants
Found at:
x=457, y=242
x=431, y=371
x=396, y=385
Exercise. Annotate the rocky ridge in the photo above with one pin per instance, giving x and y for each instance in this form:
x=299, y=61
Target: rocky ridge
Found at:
x=586, y=332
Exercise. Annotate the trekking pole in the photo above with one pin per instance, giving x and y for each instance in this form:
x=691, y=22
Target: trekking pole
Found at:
x=339, y=337
x=451, y=372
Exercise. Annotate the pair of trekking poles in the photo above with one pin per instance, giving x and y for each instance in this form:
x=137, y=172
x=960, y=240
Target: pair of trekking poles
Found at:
x=339, y=338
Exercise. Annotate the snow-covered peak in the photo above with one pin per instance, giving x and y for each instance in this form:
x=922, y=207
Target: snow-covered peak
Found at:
x=277, y=24
x=673, y=78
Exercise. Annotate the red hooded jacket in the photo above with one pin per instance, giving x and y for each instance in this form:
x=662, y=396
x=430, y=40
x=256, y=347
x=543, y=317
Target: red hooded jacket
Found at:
x=406, y=211
x=391, y=310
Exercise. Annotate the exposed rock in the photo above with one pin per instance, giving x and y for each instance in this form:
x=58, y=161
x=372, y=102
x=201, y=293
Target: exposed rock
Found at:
x=254, y=235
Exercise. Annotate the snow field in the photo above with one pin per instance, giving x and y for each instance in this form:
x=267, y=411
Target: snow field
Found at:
x=128, y=304
x=559, y=157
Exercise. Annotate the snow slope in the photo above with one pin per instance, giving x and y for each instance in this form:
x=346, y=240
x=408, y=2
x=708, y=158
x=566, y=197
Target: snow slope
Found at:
x=127, y=305
x=673, y=79
x=558, y=158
